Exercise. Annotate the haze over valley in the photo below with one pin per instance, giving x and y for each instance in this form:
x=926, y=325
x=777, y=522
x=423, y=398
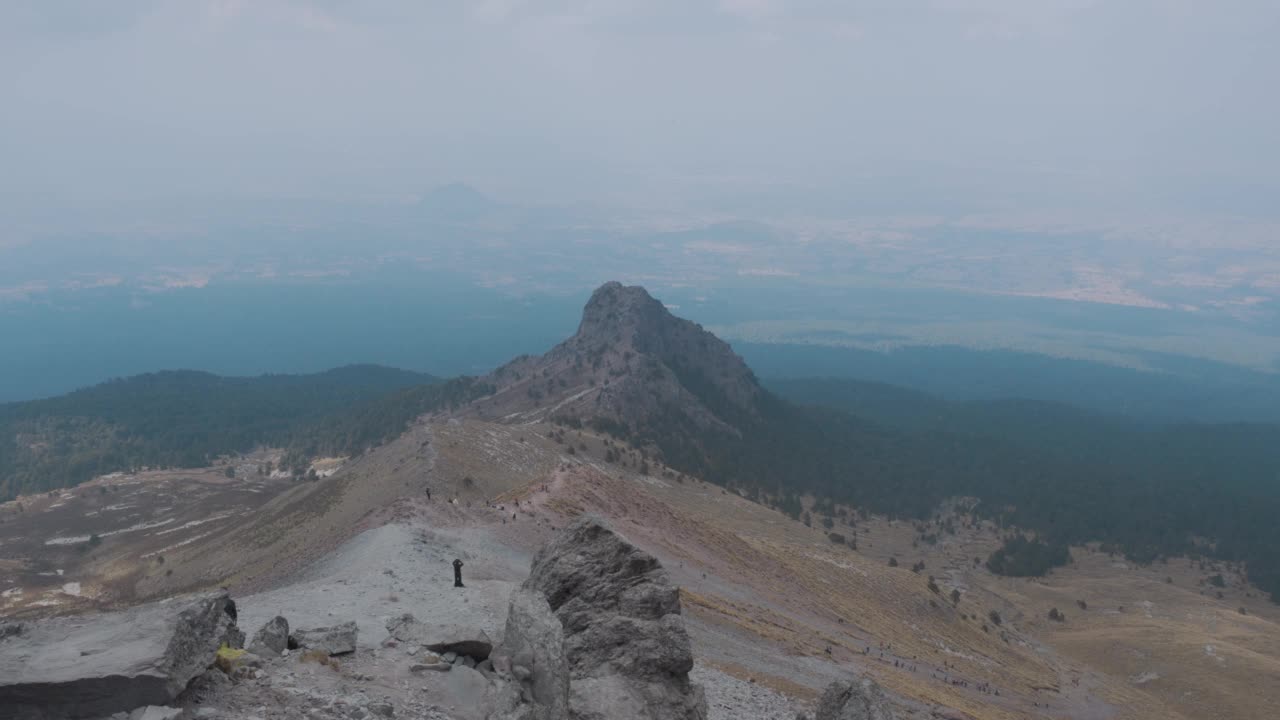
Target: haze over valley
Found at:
x=698, y=360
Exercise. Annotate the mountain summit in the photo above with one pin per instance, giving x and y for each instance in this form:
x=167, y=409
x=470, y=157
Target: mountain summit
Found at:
x=456, y=202
x=631, y=364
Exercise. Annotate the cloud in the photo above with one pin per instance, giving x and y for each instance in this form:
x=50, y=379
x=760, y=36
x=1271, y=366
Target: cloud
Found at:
x=750, y=9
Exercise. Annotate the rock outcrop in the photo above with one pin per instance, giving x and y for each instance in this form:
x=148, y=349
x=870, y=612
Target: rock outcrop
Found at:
x=861, y=699
x=335, y=640
x=532, y=653
x=465, y=641
x=271, y=639
x=624, y=638
x=99, y=664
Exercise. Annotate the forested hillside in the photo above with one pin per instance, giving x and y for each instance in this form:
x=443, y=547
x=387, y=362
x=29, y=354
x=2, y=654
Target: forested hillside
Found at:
x=186, y=419
x=1068, y=475
x=1173, y=388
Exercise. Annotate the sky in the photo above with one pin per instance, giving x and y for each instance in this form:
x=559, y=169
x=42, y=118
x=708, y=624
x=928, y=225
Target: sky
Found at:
x=820, y=106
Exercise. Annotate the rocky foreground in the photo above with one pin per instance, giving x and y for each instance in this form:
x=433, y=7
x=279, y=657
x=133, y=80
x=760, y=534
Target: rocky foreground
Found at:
x=595, y=632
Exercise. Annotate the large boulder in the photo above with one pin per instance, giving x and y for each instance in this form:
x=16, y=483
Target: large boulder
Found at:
x=272, y=638
x=469, y=641
x=99, y=664
x=335, y=640
x=861, y=699
x=532, y=653
x=624, y=638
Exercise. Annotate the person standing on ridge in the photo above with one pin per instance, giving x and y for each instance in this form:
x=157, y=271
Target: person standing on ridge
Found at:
x=457, y=573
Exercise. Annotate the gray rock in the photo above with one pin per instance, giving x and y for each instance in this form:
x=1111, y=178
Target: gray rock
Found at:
x=501, y=663
x=437, y=666
x=467, y=686
x=272, y=639
x=381, y=709
x=155, y=712
x=533, y=649
x=335, y=640
x=625, y=642
x=406, y=628
x=99, y=664
x=861, y=699
x=451, y=657
x=205, y=687
x=469, y=641
x=233, y=637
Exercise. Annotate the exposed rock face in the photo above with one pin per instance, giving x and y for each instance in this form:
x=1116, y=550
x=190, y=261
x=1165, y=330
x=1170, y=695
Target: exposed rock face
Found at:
x=624, y=639
x=861, y=699
x=634, y=364
x=99, y=664
x=532, y=652
x=470, y=642
x=272, y=639
x=206, y=686
x=335, y=640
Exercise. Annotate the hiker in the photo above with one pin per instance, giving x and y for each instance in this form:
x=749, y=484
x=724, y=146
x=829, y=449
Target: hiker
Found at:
x=428, y=494
x=457, y=573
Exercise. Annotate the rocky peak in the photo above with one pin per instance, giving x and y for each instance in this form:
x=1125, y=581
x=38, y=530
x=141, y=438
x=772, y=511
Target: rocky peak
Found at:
x=631, y=362
x=619, y=315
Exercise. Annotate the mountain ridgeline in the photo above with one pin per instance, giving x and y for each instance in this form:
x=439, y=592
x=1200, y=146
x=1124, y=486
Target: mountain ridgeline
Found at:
x=1071, y=477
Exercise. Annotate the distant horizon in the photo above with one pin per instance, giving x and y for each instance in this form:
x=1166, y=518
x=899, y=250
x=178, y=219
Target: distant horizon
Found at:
x=306, y=341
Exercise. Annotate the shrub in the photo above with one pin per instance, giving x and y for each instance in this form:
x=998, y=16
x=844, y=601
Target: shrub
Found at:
x=226, y=658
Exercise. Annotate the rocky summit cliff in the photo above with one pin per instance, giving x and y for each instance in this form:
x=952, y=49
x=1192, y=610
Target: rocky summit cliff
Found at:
x=632, y=365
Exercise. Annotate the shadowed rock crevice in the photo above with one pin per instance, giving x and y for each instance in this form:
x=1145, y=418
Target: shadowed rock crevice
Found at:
x=98, y=664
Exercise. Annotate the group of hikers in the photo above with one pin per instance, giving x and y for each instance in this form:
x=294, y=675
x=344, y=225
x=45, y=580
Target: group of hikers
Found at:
x=982, y=687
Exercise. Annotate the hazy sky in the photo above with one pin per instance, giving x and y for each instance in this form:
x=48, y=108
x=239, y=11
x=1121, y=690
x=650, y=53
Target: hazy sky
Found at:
x=918, y=105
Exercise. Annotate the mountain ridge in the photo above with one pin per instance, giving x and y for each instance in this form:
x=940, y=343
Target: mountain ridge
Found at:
x=676, y=392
